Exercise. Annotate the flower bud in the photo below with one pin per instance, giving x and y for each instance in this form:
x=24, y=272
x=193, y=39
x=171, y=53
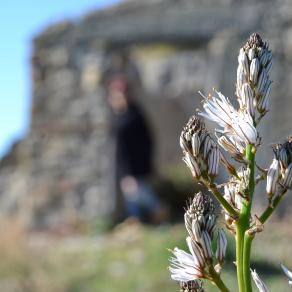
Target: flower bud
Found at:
x=196, y=253
x=192, y=165
x=241, y=78
x=206, y=245
x=230, y=147
x=247, y=98
x=208, y=143
x=221, y=246
x=269, y=66
x=196, y=230
x=262, y=80
x=254, y=70
x=196, y=144
x=283, y=157
x=265, y=98
x=272, y=177
x=287, y=179
x=183, y=143
x=251, y=53
x=213, y=161
x=210, y=223
x=265, y=58
x=243, y=60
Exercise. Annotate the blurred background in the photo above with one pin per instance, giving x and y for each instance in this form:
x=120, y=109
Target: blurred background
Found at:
x=94, y=94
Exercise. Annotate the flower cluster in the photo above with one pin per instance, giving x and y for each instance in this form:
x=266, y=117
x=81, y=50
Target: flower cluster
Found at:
x=253, y=85
x=200, y=221
x=279, y=177
x=201, y=153
x=252, y=89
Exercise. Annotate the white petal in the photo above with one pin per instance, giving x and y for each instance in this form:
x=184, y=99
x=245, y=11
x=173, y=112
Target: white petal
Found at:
x=287, y=272
x=259, y=283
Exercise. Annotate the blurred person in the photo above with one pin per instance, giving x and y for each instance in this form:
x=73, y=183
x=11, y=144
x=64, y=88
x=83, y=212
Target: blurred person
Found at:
x=117, y=60
x=134, y=153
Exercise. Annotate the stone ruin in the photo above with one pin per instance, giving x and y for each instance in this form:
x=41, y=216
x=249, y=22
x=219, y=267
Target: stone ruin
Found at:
x=62, y=171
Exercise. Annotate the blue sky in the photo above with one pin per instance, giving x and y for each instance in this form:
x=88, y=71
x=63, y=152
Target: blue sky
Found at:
x=19, y=22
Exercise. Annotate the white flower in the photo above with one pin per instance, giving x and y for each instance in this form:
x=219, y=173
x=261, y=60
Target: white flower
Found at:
x=235, y=124
x=187, y=267
x=288, y=273
x=259, y=283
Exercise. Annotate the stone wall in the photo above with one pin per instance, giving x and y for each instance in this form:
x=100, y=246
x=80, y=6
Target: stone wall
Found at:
x=62, y=171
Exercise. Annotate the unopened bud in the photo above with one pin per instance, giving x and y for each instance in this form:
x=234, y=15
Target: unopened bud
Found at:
x=254, y=70
x=265, y=57
x=221, y=246
x=241, y=78
x=272, y=177
x=183, y=143
x=206, y=245
x=251, y=53
x=269, y=66
x=283, y=157
x=197, y=232
x=247, y=97
x=192, y=165
x=262, y=80
x=208, y=143
x=210, y=223
x=192, y=286
x=213, y=161
x=196, y=144
x=243, y=60
x=196, y=253
x=287, y=180
x=263, y=103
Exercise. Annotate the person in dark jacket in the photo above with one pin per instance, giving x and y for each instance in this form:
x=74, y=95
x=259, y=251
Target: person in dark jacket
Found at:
x=134, y=152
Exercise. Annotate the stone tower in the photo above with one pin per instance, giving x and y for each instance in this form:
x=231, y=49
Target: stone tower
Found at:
x=63, y=170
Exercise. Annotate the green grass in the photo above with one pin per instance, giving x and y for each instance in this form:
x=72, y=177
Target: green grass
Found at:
x=130, y=258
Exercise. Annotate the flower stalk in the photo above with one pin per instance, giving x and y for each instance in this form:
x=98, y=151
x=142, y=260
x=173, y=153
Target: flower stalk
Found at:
x=250, y=156
x=237, y=134
x=217, y=281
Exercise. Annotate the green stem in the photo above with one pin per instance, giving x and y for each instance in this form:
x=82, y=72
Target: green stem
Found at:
x=239, y=253
x=270, y=209
x=245, y=216
x=246, y=260
x=242, y=225
x=216, y=279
